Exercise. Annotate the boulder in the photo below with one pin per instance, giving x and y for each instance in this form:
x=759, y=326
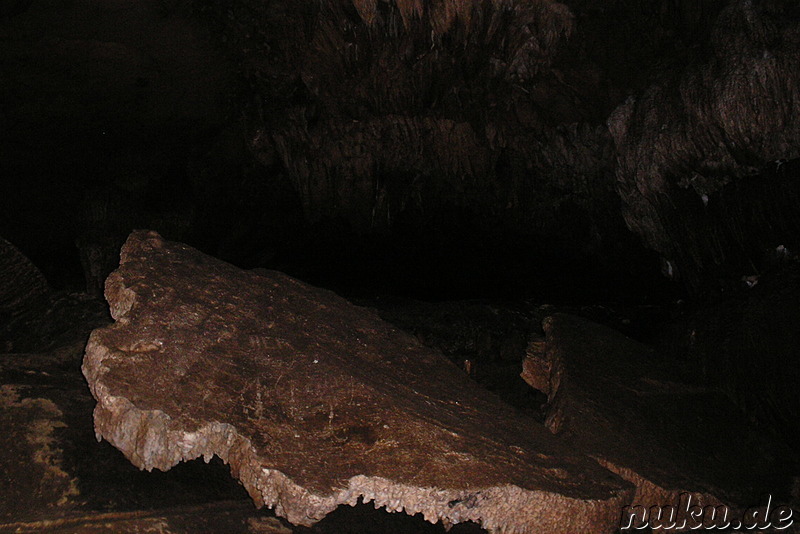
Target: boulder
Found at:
x=315, y=402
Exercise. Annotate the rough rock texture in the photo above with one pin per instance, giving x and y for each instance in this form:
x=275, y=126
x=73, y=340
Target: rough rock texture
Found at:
x=315, y=402
x=487, y=339
x=460, y=133
x=451, y=127
x=479, y=125
x=55, y=476
x=372, y=152
x=469, y=125
x=610, y=397
x=698, y=151
x=22, y=286
x=33, y=317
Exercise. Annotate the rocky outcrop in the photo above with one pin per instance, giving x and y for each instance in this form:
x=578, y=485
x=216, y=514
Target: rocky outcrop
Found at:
x=380, y=132
x=33, y=317
x=315, y=402
x=700, y=152
x=436, y=122
x=612, y=398
x=23, y=285
x=486, y=125
x=24, y=292
x=29, y=440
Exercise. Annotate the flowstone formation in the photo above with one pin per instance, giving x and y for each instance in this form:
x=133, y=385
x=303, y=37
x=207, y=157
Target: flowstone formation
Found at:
x=315, y=402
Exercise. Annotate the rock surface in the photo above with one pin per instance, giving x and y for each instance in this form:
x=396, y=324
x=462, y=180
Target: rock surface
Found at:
x=688, y=186
x=54, y=476
x=315, y=402
x=33, y=317
x=22, y=284
x=611, y=397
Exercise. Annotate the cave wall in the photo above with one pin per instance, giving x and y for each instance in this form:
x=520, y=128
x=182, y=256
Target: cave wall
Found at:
x=563, y=138
x=474, y=123
x=701, y=152
x=103, y=106
x=588, y=129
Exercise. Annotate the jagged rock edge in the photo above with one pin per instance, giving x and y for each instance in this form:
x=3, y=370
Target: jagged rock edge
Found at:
x=146, y=439
x=647, y=491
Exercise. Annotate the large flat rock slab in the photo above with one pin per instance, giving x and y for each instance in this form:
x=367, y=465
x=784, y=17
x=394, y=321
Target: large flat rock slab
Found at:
x=315, y=402
x=613, y=399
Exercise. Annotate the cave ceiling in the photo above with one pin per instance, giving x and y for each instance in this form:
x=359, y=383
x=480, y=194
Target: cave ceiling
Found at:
x=613, y=137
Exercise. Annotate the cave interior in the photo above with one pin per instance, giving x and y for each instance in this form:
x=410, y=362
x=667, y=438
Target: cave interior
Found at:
x=464, y=168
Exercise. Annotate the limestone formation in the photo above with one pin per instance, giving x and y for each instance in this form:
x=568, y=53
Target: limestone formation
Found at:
x=22, y=283
x=24, y=291
x=610, y=397
x=698, y=151
x=315, y=402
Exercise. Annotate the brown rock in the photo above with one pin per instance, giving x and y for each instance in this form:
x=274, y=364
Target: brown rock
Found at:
x=609, y=396
x=54, y=476
x=685, y=185
x=23, y=291
x=22, y=285
x=315, y=402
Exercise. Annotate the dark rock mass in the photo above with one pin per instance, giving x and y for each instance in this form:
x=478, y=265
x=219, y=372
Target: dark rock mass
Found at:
x=614, y=399
x=23, y=284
